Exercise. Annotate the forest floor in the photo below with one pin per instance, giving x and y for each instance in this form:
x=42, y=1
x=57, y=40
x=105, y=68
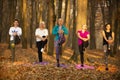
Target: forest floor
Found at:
x=26, y=66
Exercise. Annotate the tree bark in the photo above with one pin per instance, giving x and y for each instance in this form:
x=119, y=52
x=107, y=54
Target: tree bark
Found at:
x=116, y=23
x=80, y=20
x=5, y=21
x=67, y=24
x=24, y=19
x=60, y=8
x=31, y=25
x=51, y=23
x=1, y=13
x=66, y=4
x=92, y=24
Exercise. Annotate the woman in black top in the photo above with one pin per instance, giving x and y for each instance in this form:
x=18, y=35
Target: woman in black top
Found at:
x=108, y=39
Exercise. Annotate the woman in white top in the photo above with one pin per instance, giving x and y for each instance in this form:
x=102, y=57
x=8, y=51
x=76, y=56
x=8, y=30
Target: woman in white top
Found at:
x=41, y=34
x=14, y=32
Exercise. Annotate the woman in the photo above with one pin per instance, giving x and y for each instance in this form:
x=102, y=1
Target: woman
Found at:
x=59, y=31
x=83, y=37
x=108, y=39
x=41, y=34
x=15, y=32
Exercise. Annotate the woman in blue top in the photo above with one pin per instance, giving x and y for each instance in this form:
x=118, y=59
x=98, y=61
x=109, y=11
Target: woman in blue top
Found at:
x=59, y=31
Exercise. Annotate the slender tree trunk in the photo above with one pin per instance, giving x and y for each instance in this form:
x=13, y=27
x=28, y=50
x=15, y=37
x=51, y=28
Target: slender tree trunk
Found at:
x=92, y=24
x=44, y=11
x=74, y=39
x=5, y=20
x=60, y=8
x=24, y=19
x=51, y=23
x=40, y=10
x=103, y=14
x=110, y=7
x=66, y=4
x=12, y=5
x=67, y=24
x=80, y=20
x=116, y=21
x=31, y=25
x=1, y=13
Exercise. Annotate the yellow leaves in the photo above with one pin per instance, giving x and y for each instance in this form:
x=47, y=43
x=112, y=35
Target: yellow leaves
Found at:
x=112, y=68
x=25, y=69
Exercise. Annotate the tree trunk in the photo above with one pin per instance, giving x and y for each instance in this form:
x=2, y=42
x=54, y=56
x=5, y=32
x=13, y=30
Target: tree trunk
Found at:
x=5, y=21
x=92, y=24
x=40, y=10
x=31, y=24
x=24, y=19
x=60, y=8
x=116, y=21
x=12, y=5
x=67, y=24
x=1, y=9
x=74, y=39
x=51, y=23
x=66, y=4
x=81, y=19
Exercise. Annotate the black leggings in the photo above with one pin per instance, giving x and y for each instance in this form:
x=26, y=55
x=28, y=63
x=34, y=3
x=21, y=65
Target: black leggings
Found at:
x=40, y=45
x=81, y=49
x=81, y=54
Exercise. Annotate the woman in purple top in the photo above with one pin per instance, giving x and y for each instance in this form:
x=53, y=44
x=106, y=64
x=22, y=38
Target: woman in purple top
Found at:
x=83, y=37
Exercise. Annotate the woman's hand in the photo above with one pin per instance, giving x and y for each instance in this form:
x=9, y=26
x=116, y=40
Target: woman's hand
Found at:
x=110, y=41
x=85, y=39
x=15, y=33
x=60, y=31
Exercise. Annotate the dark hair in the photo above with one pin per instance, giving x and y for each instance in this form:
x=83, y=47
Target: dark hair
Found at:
x=106, y=26
x=16, y=20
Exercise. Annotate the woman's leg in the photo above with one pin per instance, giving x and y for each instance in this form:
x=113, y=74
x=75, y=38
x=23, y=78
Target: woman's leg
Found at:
x=12, y=46
x=81, y=54
x=39, y=50
x=57, y=53
x=85, y=45
x=106, y=56
x=43, y=45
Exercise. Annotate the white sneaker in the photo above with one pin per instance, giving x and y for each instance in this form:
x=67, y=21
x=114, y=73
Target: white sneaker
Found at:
x=42, y=50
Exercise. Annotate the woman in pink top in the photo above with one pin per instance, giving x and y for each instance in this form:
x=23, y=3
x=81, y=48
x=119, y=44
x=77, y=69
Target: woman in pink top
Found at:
x=83, y=37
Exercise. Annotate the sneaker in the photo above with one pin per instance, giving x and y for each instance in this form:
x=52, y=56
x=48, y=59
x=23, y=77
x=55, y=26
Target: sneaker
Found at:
x=42, y=50
x=58, y=65
x=106, y=69
x=82, y=65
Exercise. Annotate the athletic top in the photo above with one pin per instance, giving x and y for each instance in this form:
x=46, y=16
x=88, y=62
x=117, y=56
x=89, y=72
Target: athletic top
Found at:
x=41, y=33
x=18, y=30
x=83, y=35
x=108, y=35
